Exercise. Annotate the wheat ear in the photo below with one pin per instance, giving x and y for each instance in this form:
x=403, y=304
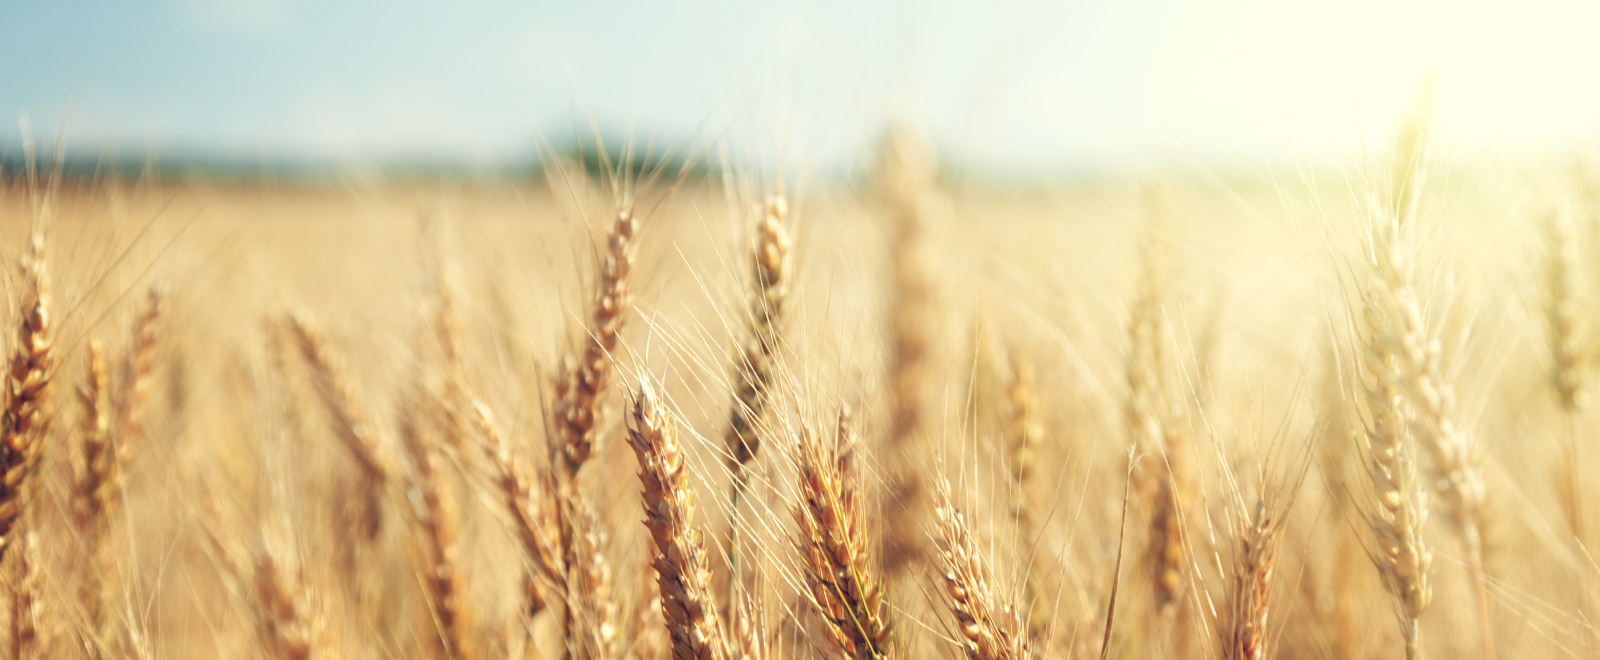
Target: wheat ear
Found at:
x=682, y=570
x=990, y=628
x=1566, y=334
x=832, y=541
x=288, y=621
x=131, y=414
x=1571, y=354
x=1151, y=419
x=434, y=510
x=581, y=385
x=1401, y=510
x=536, y=530
x=590, y=612
x=98, y=478
x=753, y=370
x=1397, y=317
x=1250, y=594
x=1026, y=435
x=24, y=422
x=350, y=423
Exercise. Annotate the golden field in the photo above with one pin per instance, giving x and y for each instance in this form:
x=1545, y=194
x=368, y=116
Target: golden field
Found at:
x=1184, y=417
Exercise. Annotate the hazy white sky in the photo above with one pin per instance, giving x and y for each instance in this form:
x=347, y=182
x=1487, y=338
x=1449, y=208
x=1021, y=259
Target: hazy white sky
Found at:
x=1009, y=84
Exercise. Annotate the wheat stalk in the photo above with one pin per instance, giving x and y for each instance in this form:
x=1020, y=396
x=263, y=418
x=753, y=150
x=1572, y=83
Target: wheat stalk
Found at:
x=754, y=369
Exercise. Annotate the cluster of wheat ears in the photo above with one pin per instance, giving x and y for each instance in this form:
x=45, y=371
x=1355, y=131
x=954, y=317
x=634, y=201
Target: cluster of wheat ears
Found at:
x=994, y=502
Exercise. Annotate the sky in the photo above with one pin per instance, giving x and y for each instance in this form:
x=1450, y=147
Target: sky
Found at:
x=1008, y=85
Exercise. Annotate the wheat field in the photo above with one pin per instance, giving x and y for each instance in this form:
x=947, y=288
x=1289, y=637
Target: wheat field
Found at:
x=628, y=414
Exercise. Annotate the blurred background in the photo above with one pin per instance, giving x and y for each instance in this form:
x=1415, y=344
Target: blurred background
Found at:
x=1009, y=88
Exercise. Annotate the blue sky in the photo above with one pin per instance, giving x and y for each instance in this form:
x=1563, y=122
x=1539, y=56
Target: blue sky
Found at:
x=1012, y=84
